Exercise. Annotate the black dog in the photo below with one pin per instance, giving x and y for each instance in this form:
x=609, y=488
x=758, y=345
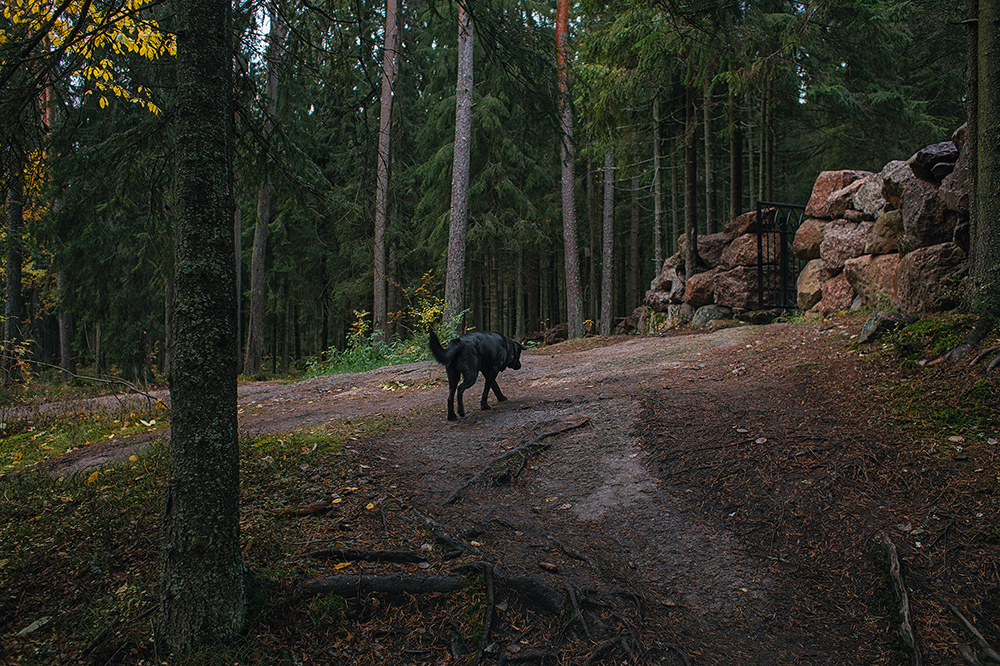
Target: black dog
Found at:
x=470, y=354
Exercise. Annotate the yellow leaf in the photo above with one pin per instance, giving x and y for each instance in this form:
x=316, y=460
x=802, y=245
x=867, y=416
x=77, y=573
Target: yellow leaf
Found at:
x=370, y=506
x=104, y=102
x=93, y=477
x=341, y=565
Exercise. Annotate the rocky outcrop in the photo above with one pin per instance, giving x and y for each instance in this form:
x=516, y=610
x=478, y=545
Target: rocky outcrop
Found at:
x=897, y=238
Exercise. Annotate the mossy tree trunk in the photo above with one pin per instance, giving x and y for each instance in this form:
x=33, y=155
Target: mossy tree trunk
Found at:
x=203, y=587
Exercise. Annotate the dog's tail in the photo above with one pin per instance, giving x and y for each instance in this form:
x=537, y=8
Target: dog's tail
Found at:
x=443, y=355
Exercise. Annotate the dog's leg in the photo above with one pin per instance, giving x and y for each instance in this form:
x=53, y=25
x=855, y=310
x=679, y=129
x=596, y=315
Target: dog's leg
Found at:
x=453, y=378
x=491, y=383
x=469, y=381
x=496, y=390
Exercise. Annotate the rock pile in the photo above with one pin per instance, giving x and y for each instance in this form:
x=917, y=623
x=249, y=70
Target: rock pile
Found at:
x=898, y=238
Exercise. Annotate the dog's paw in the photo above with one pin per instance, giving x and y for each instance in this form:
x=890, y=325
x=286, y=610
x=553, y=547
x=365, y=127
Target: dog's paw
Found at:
x=485, y=407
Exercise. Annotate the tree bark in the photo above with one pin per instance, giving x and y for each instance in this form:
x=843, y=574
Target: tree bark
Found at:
x=711, y=215
x=657, y=190
x=454, y=292
x=203, y=580
x=67, y=361
x=985, y=245
x=690, y=184
x=255, y=337
x=633, y=254
x=567, y=158
x=13, y=298
x=608, y=250
x=735, y=158
x=380, y=303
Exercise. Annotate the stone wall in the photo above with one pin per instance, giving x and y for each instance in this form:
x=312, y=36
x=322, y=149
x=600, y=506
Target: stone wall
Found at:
x=895, y=239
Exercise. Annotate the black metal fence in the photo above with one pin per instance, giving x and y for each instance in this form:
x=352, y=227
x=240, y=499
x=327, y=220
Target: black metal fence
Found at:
x=777, y=268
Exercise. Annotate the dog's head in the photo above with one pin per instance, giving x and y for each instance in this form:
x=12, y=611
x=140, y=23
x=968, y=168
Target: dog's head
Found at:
x=514, y=354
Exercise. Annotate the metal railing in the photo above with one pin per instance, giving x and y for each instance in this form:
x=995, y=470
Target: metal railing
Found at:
x=777, y=268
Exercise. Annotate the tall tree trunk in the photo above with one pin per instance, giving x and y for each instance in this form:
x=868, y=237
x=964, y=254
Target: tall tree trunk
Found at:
x=238, y=263
x=751, y=171
x=380, y=307
x=255, y=337
x=608, y=249
x=594, y=224
x=769, y=135
x=454, y=291
x=675, y=206
x=690, y=184
x=203, y=581
x=13, y=297
x=494, y=289
x=657, y=193
x=567, y=156
x=735, y=157
x=67, y=361
x=633, y=274
x=711, y=216
x=985, y=150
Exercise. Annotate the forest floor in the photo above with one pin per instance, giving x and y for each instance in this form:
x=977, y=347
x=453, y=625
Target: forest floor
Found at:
x=703, y=498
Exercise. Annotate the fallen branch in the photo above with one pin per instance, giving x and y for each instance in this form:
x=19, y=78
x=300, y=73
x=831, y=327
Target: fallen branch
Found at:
x=354, y=586
x=533, y=446
x=354, y=555
x=905, y=626
x=969, y=627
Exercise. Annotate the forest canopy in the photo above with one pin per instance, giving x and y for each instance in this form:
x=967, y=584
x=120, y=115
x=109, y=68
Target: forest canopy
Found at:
x=87, y=143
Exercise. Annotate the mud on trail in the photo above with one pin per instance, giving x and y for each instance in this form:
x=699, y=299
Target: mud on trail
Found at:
x=708, y=498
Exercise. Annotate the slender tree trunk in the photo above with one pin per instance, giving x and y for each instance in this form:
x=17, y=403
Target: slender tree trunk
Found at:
x=735, y=158
x=67, y=361
x=675, y=206
x=690, y=185
x=593, y=222
x=519, y=297
x=567, y=156
x=657, y=193
x=494, y=290
x=13, y=297
x=380, y=307
x=633, y=275
x=255, y=338
x=454, y=293
x=203, y=580
x=608, y=253
x=751, y=171
x=711, y=215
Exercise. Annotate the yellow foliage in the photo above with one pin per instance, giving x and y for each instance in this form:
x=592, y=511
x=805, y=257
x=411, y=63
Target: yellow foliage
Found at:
x=103, y=34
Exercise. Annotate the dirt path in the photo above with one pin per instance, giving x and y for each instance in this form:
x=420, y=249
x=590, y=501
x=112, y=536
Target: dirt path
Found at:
x=732, y=481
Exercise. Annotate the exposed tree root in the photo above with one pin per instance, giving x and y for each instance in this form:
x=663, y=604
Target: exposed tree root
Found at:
x=905, y=625
x=525, y=452
x=984, y=645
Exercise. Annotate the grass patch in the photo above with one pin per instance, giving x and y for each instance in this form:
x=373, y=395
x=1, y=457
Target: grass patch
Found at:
x=79, y=554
